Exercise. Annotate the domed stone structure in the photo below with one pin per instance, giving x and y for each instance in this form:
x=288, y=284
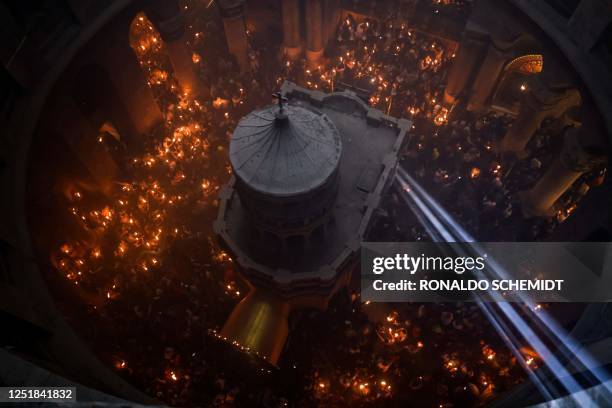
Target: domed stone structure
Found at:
x=286, y=160
x=308, y=177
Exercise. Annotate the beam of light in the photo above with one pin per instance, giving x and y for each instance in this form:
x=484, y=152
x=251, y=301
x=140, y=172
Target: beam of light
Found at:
x=560, y=337
x=595, y=392
x=568, y=346
x=426, y=217
x=411, y=187
x=438, y=233
x=423, y=200
x=537, y=377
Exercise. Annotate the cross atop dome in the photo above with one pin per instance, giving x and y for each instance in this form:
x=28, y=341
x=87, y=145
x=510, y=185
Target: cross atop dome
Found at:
x=281, y=110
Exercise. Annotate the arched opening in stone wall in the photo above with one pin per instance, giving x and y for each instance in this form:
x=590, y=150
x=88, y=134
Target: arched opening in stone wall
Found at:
x=514, y=80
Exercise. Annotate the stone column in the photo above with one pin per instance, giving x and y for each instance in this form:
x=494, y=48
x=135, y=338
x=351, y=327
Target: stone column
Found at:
x=331, y=16
x=232, y=13
x=117, y=57
x=314, y=32
x=470, y=53
x=540, y=103
x=292, y=41
x=574, y=160
x=82, y=138
x=501, y=50
x=487, y=77
x=169, y=20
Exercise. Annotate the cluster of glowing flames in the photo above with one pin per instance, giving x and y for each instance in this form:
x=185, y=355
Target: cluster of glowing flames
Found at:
x=136, y=224
x=139, y=221
x=324, y=77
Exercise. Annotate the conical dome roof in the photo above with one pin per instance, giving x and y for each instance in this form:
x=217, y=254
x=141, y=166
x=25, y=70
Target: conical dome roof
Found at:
x=285, y=154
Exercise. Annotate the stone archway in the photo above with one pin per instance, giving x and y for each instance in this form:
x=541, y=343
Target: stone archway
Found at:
x=514, y=80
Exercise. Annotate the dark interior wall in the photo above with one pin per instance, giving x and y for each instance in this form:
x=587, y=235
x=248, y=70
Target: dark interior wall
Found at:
x=605, y=43
x=564, y=7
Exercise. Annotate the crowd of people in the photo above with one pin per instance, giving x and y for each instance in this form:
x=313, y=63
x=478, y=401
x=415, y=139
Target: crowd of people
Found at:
x=151, y=310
